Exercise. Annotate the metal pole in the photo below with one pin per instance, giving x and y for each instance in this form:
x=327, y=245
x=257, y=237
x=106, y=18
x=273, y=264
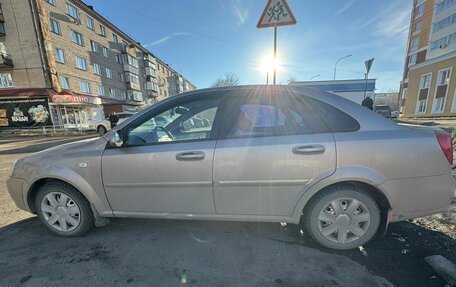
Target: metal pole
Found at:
x=275, y=55
x=365, y=83
x=267, y=78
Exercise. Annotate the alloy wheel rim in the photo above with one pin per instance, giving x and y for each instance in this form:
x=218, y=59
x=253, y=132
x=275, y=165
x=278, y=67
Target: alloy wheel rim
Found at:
x=60, y=211
x=344, y=220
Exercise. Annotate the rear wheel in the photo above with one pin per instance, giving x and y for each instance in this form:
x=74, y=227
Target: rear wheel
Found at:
x=101, y=130
x=342, y=217
x=63, y=209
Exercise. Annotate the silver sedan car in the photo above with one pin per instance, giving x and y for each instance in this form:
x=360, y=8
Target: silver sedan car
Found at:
x=247, y=153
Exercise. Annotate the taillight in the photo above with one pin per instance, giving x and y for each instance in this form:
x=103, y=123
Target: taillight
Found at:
x=446, y=144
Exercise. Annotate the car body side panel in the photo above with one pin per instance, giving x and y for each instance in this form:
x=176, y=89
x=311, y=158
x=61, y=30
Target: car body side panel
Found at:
x=262, y=176
x=78, y=164
x=419, y=196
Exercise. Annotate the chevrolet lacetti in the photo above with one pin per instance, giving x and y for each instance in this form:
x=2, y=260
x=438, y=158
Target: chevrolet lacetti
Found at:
x=247, y=153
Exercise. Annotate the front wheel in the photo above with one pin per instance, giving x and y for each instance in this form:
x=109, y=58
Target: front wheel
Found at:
x=63, y=209
x=101, y=130
x=342, y=217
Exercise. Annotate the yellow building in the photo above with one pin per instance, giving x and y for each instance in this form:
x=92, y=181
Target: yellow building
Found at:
x=428, y=85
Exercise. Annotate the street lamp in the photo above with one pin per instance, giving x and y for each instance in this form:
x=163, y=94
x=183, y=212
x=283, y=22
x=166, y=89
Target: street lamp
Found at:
x=335, y=66
x=316, y=76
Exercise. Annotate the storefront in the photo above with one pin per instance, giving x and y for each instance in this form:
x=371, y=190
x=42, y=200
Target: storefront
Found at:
x=24, y=113
x=75, y=111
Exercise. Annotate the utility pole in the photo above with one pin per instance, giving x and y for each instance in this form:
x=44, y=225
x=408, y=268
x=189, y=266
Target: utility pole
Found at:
x=275, y=55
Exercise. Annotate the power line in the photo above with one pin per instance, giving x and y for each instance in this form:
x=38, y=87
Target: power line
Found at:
x=243, y=46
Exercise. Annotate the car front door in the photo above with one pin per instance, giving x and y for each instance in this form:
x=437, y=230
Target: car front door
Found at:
x=271, y=148
x=165, y=164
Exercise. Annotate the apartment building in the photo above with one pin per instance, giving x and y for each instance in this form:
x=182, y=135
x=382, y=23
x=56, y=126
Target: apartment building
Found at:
x=78, y=64
x=178, y=84
x=428, y=88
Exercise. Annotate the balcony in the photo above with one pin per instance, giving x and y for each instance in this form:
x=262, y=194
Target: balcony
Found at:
x=135, y=96
x=6, y=61
x=150, y=61
x=150, y=72
x=150, y=86
x=133, y=86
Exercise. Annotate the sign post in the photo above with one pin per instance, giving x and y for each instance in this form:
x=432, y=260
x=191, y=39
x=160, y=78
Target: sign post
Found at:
x=368, y=64
x=276, y=13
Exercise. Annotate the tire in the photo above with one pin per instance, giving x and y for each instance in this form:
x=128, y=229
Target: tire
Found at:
x=59, y=204
x=101, y=130
x=336, y=211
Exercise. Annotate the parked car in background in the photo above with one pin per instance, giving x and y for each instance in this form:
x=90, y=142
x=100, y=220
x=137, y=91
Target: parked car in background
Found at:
x=105, y=125
x=383, y=110
x=256, y=153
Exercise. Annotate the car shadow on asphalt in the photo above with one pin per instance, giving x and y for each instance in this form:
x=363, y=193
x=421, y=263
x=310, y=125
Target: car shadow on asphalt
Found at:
x=398, y=256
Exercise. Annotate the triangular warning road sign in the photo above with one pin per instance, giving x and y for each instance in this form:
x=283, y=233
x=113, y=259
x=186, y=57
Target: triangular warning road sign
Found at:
x=276, y=13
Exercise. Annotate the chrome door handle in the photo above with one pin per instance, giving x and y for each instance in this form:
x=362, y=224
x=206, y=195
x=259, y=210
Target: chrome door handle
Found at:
x=309, y=149
x=190, y=155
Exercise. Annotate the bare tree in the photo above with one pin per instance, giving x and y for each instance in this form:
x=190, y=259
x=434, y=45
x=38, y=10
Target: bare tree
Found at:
x=230, y=79
x=291, y=79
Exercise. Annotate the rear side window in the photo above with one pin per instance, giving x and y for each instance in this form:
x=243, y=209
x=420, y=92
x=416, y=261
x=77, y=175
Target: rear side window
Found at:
x=336, y=120
x=270, y=115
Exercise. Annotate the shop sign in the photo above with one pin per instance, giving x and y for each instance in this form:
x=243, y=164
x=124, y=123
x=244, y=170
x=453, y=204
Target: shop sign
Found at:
x=24, y=113
x=75, y=99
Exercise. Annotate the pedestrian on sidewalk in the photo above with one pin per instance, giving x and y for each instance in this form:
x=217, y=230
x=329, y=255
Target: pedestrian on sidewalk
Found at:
x=368, y=103
x=113, y=119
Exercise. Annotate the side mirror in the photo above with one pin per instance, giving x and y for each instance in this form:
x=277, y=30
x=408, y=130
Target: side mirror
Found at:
x=115, y=140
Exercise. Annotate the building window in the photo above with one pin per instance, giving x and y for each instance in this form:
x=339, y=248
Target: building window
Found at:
x=101, y=90
x=121, y=77
x=55, y=26
x=412, y=59
x=59, y=55
x=105, y=52
x=415, y=43
x=404, y=93
x=52, y=2
x=115, y=39
x=85, y=87
x=102, y=30
x=123, y=95
x=419, y=10
x=2, y=49
x=94, y=46
x=2, y=28
x=129, y=59
x=64, y=82
x=90, y=24
x=5, y=80
x=73, y=11
x=118, y=58
x=109, y=73
x=421, y=107
x=81, y=63
x=132, y=78
x=442, y=24
x=76, y=38
x=423, y=93
x=418, y=26
x=441, y=89
x=444, y=5
x=96, y=69
x=112, y=93
x=444, y=42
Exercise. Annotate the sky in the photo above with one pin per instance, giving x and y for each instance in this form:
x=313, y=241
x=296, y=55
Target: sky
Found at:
x=205, y=39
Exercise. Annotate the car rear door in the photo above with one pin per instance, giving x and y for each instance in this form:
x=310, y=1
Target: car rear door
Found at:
x=156, y=173
x=271, y=148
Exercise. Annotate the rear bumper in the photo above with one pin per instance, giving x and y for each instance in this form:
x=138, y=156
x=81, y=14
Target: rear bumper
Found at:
x=15, y=188
x=421, y=196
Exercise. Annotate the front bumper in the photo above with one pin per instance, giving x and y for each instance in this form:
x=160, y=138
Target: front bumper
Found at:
x=15, y=188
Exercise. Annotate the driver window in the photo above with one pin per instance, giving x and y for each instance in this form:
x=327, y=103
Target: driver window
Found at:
x=188, y=120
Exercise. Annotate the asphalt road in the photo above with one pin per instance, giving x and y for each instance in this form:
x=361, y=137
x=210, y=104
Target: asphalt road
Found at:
x=201, y=253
